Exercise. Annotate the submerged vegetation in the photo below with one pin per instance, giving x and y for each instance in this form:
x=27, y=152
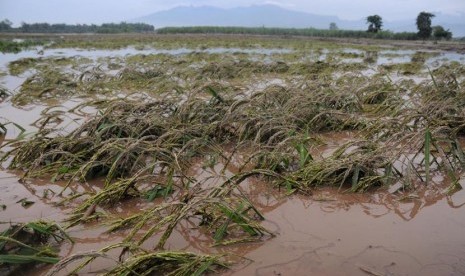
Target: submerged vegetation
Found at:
x=7, y=46
x=29, y=243
x=172, y=263
x=155, y=117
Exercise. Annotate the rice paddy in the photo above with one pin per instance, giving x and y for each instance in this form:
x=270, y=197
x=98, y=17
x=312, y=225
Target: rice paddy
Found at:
x=182, y=151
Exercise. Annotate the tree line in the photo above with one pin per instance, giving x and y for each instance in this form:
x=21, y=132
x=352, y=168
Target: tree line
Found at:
x=423, y=22
x=123, y=27
x=310, y=32
x=375, y=24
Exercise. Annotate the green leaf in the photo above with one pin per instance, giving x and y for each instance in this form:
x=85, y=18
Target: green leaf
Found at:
x=388, y=174
x=159, y=191
x=24, y=259
x=304, y=155
x=169, y=188
x=434, y=80
x=104, y=126
x=355, y=177
x=205, y=265
x=63, y=169
x=219, y=234
x=237, y=218
x=214, y=94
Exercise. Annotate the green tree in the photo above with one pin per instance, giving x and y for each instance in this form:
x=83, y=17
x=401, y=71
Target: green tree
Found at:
x=424, y=24
x=375, y=23
x=5, y=25
x=333, y=26
x=440, y=33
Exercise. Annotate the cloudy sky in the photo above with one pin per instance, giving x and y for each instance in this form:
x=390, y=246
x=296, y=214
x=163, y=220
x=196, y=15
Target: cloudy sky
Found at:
x=98, y=11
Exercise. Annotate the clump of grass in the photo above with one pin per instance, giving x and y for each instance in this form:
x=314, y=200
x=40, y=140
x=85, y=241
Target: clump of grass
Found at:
x=315, y=69
x=19, y=66
x=407, y=68
x=355, y=166
x=133, y=78
x=46, y=84
x=421, y=57
x=226, y=213
x=441, y=102
x=234, y=69
x=370, y=57
x=379, y=91
x=8, y=46
x=173, y=263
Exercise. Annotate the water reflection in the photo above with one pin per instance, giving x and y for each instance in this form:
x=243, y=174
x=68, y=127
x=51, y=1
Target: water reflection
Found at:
x=95, y=54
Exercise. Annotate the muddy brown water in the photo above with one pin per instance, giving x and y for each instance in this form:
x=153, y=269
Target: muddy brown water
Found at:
x=327, y=233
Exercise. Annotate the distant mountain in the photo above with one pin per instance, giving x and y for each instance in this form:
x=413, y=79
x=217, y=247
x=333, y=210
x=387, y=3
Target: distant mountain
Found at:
x=253, y=16
x=274, y=16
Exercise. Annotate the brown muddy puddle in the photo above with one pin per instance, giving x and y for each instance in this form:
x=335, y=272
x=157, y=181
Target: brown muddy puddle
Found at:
x=328, y=233
x=357, y=233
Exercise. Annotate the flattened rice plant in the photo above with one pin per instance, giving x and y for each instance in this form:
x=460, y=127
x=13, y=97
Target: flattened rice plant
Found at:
x=28, y=243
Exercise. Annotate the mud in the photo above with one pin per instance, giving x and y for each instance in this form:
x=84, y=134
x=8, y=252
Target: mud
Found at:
x=329, y=233
x=343, y=235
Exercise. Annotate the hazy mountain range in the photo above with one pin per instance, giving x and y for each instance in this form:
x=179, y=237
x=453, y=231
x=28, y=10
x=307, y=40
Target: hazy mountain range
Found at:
x=274, y=16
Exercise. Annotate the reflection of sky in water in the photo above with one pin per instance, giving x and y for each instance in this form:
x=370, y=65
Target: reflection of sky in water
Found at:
x=432, y=58
x=383, y=56
x=95, y=54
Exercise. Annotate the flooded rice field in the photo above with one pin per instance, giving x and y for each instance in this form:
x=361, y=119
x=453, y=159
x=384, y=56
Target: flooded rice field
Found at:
x=219, y=157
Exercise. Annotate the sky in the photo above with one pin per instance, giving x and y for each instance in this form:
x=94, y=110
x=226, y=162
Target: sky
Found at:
x=99, y=11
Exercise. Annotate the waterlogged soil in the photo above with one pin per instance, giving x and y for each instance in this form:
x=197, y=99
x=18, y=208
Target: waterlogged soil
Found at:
x=327, y=232
x=348, y=234
x=381, y=57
